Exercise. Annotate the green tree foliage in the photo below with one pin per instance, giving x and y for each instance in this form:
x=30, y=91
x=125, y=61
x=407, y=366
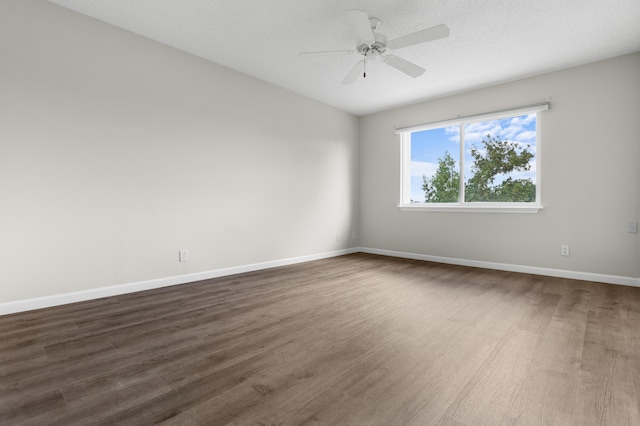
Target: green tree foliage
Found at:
x=496, y=157
x=444, y=185
x=499, y=157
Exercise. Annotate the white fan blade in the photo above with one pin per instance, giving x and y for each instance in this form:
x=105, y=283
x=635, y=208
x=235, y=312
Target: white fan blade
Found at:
x=423, y=36
x=354, y=73
x=405, y=66
x=329, y=52
x=361, y=25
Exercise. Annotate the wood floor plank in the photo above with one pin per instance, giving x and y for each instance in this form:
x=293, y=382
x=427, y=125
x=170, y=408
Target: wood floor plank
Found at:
x=533, y=414
x=448, y=421
x=490, y=396
x=606, y=392
x=33, y=408
x=553, y=377
x=420, y=388
x=356, y=339
x=279, y=394
x=630, y=316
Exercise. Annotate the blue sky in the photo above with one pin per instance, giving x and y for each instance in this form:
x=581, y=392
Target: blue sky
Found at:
x=429, y=145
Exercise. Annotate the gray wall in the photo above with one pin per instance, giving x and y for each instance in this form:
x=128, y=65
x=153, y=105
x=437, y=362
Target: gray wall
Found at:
x=590, y=153
x=116, y=152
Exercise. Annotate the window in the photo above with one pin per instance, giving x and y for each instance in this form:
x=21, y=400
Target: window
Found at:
x=486, y=162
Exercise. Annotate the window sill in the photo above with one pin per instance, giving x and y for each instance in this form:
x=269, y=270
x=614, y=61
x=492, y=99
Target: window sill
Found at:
x=472, y=208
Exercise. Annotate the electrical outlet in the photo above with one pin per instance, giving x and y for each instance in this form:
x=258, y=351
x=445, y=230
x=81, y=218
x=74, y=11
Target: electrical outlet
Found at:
x=338, y=239
x=354, y=236
x=564, y=250
x=632, y=227
x=183, y=255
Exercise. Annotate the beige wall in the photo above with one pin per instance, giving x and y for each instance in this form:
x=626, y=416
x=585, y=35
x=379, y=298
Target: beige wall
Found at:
x=590, y=176
x=116, y=152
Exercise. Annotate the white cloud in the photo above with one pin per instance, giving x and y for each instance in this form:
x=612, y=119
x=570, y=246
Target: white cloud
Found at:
x=481, y=127
x=528, y=135
x=419, y=168
x=475, y=132
x=514, y=130
x=454, y=131
x=520, y=121
x=511, y=132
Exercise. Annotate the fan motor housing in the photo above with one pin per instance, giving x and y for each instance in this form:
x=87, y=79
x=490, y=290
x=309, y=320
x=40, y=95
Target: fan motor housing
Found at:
x=379, y=45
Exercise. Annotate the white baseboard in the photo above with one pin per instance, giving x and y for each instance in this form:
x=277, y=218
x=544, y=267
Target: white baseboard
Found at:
x=81, y=296
x=584, y=276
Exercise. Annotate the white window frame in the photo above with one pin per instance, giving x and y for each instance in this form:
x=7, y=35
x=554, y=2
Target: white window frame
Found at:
x=485, y=207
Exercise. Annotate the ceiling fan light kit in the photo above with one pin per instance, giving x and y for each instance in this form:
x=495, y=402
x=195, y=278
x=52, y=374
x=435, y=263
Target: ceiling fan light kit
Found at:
x=372, y=45
x=378, y=47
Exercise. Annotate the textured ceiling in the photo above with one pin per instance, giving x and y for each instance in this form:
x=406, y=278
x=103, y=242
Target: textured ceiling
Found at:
x=491, y=41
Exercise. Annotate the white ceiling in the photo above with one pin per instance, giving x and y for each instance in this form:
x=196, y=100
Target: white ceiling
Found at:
x=491, y=41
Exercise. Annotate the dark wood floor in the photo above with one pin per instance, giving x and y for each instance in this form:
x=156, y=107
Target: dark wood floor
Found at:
x=353, y=340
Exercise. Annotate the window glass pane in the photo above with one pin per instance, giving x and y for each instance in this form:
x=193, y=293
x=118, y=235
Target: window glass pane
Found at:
x=500, y=160
x=435, y=165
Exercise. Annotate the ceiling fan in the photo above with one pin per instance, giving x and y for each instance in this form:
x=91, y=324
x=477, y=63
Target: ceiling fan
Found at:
x=372, y=45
